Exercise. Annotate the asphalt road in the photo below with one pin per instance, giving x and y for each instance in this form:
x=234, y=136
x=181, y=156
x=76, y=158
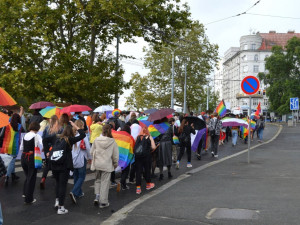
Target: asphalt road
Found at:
x=230, y=184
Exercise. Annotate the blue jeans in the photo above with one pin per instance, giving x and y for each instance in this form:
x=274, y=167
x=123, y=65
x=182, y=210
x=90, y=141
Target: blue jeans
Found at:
x=11, y=166
x=79, y=176
x=260, y=134
x=234, y=136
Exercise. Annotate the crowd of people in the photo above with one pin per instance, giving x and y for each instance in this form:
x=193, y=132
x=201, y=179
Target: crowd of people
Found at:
x=70, y=142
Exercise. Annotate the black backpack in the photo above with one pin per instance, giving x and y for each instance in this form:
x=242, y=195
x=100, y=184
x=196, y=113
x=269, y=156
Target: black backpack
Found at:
x=142, y=147
x=58, y=154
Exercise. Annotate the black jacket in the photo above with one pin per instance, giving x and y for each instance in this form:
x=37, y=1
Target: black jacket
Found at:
x=72, y=140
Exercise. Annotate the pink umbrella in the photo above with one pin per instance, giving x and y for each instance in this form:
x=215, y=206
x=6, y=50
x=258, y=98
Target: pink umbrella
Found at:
x=40, y=105
x=75, y=108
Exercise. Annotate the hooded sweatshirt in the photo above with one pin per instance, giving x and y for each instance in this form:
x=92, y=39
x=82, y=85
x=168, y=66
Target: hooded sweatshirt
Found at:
x=105, y=154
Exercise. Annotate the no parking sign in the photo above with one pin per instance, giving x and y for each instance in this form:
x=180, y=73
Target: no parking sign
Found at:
x=250, y=85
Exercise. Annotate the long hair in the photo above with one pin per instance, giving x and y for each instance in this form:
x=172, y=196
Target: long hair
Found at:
x=106, y=131
x=103, y=117
x=79, y=124
x=67, y=132
x=95, y=118
x=53, y=125
x=144, y=132
x=64, y=120
x=15, y=121
x=183, y=123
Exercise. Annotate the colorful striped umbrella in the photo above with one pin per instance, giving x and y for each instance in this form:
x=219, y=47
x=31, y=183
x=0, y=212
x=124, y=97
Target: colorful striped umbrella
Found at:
x=50, y=111
x=6, y=99
x=234, y=122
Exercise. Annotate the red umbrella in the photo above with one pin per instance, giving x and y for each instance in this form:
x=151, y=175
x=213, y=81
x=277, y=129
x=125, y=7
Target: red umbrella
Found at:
x=75, y=108
x=40, y=105
x=6, y=99
x=158, y=115
x=4, y=120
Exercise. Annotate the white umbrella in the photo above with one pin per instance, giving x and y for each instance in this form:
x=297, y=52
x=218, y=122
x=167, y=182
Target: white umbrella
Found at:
x=104, y=108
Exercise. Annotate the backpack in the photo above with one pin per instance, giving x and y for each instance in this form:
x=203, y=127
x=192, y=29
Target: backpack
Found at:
x=261, y=125
x=142, y=146
x=183, y=137
x=212, y=131
x=59, y=152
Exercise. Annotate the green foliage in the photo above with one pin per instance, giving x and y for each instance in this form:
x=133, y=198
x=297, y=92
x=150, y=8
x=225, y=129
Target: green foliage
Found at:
x=197, y=53
x=283, y=76
x=57, y=50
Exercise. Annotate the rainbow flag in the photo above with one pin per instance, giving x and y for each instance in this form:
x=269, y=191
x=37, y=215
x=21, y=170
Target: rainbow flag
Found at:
x=153, y=131
x=221, y=109
x=252, y=123
x=258, y=111
x=176, y=140
x=162, y=127
x=12, y=140
x=244, y=131
x=126, y=144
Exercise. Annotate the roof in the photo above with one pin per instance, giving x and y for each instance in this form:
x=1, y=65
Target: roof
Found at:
x=273, y=38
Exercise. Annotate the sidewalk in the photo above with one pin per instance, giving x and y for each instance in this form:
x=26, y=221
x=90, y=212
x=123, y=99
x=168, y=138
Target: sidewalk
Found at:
x=267, y=187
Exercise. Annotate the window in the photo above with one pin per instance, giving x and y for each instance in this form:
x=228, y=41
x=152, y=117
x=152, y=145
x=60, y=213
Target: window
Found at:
x=245, y=69
x=264, y=92
x=253, y=46
x=245, y=47
x=255, y=69
x=265, y=101
x=255, y=101
x=244, y=58
x=256, y=58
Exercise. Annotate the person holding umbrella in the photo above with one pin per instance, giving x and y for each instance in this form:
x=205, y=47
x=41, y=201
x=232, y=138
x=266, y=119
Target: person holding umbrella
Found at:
x=214, y=127
x=185, y=130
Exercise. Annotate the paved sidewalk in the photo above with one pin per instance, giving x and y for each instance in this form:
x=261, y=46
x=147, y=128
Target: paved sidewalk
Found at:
x=268, y=187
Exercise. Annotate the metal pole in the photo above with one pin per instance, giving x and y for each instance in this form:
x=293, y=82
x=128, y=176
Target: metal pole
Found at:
x=207, y=97
x=249, y=129
x=172, y=93
x=184, y=104
x=117, y=73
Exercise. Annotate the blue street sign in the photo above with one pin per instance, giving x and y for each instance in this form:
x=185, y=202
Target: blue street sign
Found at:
x=294, y=103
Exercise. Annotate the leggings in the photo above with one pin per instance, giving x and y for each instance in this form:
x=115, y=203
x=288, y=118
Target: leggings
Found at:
x=188, y=151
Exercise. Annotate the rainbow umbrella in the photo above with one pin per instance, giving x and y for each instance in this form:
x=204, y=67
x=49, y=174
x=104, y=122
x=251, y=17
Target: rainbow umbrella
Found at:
x=6, y=99
x=50, y=111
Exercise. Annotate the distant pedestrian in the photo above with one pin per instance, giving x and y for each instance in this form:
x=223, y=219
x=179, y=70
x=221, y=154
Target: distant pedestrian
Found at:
x=30, y=140
x=96, y=128
x=185, y=130
x=214, y=127
x=105, y=157
x=143, y=146
x=261, y=127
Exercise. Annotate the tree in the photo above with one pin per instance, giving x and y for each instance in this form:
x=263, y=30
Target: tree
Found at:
x=57, y=50
x=283, y=76
x=199, y=56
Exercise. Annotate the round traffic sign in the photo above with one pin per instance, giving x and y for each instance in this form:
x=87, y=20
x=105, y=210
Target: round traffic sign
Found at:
x=250, y=85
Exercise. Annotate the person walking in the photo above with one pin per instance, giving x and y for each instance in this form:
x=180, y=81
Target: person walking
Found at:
x=234, y=134
x=215, y=126
x=11, y=143
x=105, y=157
x=30, y=140
x=80, y=155
x=174, y=146
x=261, y=127
x=142, y=150
x=96, y=128
x=61, y=161
x=53, y=129
x=185, y=130
x=165, y=151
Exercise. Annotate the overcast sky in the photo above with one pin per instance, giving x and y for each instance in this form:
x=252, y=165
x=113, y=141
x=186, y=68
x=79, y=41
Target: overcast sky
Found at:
x=225, y=33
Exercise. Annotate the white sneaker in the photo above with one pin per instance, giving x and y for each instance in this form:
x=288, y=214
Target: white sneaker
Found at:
x=212, y=154
x=73, y=198
x=103, y=205
x=62, y=210
x=189, y=165
x=216, y=156
x=177, y=165
x=56, y=203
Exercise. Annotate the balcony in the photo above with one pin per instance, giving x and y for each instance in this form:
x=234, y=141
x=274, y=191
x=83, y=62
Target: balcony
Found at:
x=242, y=95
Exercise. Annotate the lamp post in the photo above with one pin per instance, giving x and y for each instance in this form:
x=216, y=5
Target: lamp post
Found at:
x=184, y=104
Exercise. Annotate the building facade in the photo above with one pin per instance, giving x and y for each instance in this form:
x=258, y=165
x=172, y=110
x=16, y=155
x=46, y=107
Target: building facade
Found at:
x=245, y=60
